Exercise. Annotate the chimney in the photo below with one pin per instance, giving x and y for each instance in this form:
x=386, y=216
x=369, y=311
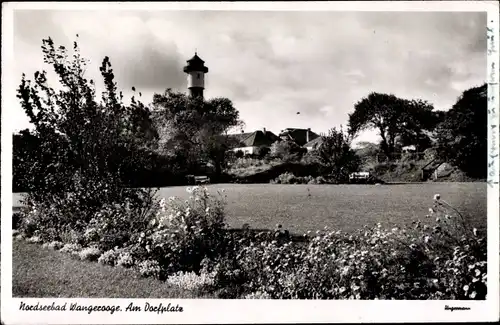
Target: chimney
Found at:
x=264, y=130
x=307, y=135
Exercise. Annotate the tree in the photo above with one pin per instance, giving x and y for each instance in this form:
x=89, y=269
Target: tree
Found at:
x=462, y=136
x=335, y=153
x=392, y=117
x=84, y=145
x=287, y=150
x=194, y=129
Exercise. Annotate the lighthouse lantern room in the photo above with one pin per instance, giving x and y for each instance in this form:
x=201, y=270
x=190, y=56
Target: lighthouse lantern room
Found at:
x=196, y=70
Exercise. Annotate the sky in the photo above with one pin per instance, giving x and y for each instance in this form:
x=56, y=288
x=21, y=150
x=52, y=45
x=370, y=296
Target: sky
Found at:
x=270, y=64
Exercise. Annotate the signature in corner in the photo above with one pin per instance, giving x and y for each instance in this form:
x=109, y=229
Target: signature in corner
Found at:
x=455, y=308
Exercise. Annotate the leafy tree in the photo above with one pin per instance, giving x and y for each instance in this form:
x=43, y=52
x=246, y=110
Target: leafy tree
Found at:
x=462, y=136
x=194, y=129
x=393, y=117
x=287, y=150
x=84, y=145
x=336, y=154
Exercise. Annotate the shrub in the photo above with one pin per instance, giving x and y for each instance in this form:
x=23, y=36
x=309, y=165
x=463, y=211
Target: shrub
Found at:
x=77, y=171
x=149, y=268
x=183, y=233
x=125, y=260
x=258, y=295
x=35, y=239
x=109, y=257
x=73, y=249
x=191, y=280
x=90, y=254
x=55, y=245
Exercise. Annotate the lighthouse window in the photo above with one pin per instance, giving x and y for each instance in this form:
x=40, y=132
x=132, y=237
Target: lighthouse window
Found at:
x=198, y=75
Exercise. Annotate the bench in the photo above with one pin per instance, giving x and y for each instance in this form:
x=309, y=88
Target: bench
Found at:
x=201, y=179
x=360, y=177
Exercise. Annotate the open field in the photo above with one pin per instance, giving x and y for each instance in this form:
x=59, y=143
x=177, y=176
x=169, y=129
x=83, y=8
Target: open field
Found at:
x=300, y=208
x=41, y=272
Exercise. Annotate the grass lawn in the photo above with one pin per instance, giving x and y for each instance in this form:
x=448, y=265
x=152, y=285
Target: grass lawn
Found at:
x=300, y=208
x=41, y=272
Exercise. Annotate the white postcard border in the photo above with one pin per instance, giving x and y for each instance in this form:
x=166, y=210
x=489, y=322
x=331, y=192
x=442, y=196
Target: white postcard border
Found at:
x=259, y=311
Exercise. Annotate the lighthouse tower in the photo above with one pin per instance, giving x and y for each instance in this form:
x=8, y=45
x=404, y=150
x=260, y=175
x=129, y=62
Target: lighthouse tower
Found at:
x=196, y=70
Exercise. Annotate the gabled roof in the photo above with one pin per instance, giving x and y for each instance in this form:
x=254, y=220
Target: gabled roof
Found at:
x=315, y=142
x=254, y=139
x=299, y=136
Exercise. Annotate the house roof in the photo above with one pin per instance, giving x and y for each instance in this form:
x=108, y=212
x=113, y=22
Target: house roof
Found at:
x=299, y=135
x=254, y=139
x=315, y=142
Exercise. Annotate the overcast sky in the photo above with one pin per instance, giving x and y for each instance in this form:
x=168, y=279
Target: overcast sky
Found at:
x=272, y=64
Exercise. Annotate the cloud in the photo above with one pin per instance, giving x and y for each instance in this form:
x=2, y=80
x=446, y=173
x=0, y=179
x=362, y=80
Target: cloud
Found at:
x=274, y=64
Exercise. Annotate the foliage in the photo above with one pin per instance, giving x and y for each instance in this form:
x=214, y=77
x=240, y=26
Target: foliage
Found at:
x=109, y=257
x=336, y=155
x=182, y=234
x=462, y=137
x=393, y=117
x=83, y=146
x=289, y=178
x=287, y=150
x=125, y=259
x=149, y=268
x=90, y=253
x=194, y=129
x=191, y=280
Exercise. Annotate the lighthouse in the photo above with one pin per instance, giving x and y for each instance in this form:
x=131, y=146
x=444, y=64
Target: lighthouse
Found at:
x=196, y=70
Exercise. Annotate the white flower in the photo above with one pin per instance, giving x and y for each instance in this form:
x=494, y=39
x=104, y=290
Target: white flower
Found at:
x=189, y=190
x=431, y=210
x=466, y=288
x=437, y=197
x=474, y=231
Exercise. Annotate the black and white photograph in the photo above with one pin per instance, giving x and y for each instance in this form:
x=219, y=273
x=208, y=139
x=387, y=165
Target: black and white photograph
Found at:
x=163, y=160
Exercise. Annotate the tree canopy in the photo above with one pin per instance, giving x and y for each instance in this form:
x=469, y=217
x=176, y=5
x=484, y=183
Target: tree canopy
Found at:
x=83, y=144
x=335, y=153
x=462, y=136
x=394, y=118
x=193, y=128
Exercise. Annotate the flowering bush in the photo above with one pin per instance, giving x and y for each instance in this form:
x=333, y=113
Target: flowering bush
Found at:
x=55, y=245
x=191, y=280
x=125, y=259
x=289, y=178
x=149, y=268
x=90, y=254
x=258, y=295
x=109, y=257
x=71, y=248
x=183, y=233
